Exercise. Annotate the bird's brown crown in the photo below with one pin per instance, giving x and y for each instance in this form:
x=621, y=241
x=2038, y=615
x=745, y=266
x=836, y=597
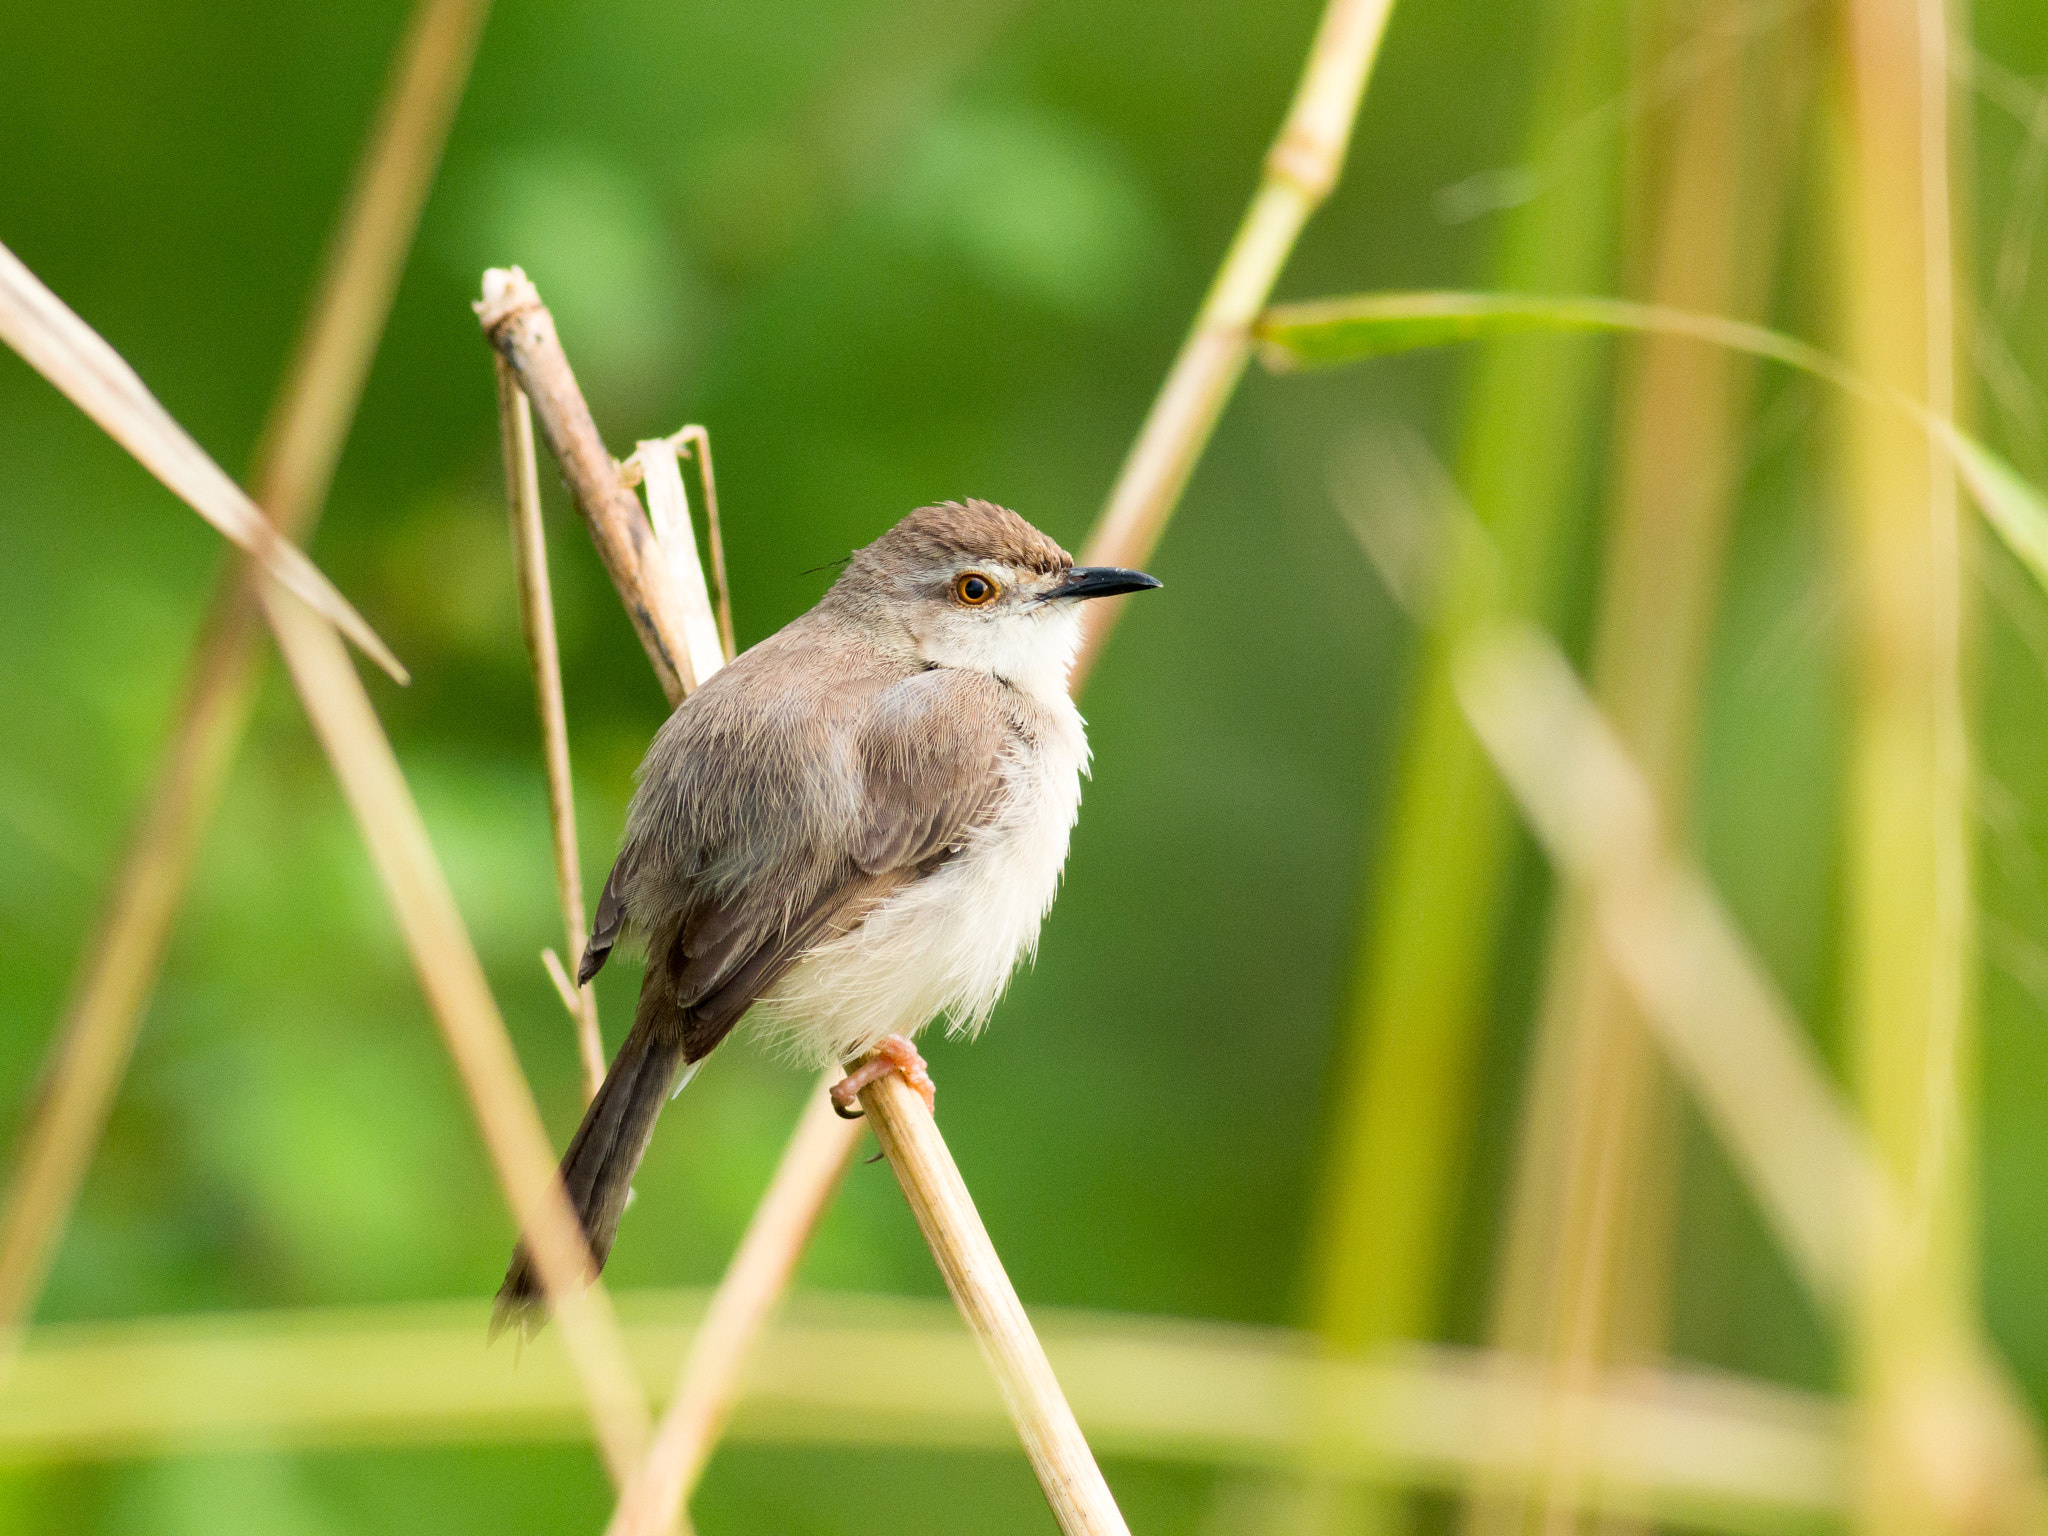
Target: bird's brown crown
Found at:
x=973, y=530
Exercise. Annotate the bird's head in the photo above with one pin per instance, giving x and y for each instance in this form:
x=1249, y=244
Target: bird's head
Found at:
x=974, y=586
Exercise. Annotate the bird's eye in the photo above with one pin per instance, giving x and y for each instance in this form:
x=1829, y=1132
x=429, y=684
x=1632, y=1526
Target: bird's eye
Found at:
x=974, y=589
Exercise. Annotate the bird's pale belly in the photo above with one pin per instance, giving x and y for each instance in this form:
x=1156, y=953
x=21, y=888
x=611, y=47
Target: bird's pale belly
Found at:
x=947, y=944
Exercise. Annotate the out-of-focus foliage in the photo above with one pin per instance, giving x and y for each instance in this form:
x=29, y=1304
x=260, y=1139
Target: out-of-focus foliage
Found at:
x=889, y=251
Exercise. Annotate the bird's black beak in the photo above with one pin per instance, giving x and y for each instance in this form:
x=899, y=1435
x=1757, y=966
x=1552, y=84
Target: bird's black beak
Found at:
x=1101, y=581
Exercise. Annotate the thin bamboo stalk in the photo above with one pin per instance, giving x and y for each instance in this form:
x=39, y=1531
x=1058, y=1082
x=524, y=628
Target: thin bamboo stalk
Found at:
x=519, y=326
x=1059, y=1454
x=294, y=465
x=1300, y=170
x=1911, y=917
x=537, y=620
x=747, y=1297
x=453, y=979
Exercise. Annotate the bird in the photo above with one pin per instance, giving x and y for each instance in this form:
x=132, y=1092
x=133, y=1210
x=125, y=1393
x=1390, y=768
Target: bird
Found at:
x=854, y=828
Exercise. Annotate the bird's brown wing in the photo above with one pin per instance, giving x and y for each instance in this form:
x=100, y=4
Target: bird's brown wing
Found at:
x=929, y=751
x=610, y=921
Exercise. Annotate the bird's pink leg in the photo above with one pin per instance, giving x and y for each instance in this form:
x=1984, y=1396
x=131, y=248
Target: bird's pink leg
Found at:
x=894, y=1054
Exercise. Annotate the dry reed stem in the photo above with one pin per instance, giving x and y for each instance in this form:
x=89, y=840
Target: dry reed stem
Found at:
x=695, y=442
x=1300, y=169
x=520, y=328
x=460, y=997
x=537, y=621
x=294, y=464
x=748, y=1293
x=1059, y=1454
x=93, y=376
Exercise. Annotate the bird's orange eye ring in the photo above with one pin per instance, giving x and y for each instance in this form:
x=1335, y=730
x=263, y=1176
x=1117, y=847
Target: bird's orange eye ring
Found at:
x=975, y=589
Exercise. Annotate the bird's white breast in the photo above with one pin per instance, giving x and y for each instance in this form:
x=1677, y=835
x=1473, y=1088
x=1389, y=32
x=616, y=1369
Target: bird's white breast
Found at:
x=948, y=943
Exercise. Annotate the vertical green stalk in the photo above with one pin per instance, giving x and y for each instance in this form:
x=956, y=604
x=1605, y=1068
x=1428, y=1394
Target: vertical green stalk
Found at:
x=1586, y=1275
x=1401, y=1105
x=1910, y=912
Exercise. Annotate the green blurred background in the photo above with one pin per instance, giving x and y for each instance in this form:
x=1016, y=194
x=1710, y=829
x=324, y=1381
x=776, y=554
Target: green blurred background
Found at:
x=889, y=251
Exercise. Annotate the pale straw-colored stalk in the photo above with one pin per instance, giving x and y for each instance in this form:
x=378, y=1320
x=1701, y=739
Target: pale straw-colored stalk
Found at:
x=1706, y=999
x=537, y=621
x=694, y=442
x=94, y=377
x=668, y=509
x=453, y=979
x=293, y=467
x=938, y=1197
x=1300, y=169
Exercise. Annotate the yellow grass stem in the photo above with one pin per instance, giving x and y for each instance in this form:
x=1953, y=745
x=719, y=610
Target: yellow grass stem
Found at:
x=1711, y=1005
x=668, y=509
x=294, y=465
x=1911, y=916
x=537, y=622
x=453, y=979
x=1696, y=1448
x=1300, y=170
x=696, y=442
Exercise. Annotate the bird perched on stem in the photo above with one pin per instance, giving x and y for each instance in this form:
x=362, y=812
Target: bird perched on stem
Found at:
x=854, y=828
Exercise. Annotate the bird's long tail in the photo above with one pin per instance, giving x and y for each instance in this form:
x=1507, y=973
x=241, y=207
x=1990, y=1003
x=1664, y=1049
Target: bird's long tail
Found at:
x=598, y=1168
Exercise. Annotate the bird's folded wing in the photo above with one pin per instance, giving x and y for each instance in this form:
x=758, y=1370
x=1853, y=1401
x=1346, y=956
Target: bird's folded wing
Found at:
x=929, y=750
x=931, y=756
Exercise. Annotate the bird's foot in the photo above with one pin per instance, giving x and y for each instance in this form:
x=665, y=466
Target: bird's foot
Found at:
x=894, y=1054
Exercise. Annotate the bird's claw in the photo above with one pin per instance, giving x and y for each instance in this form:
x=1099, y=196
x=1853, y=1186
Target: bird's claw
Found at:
x=894, y=1054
